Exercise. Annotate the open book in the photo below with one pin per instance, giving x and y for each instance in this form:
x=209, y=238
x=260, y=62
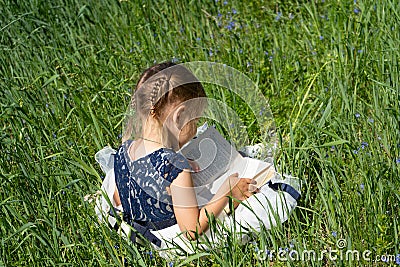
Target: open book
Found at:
x=218, y=159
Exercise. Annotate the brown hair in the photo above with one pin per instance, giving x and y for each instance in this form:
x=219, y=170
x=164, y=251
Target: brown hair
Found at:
x=160, y=86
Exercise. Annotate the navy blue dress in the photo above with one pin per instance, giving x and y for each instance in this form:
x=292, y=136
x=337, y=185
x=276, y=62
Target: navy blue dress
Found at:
x=142, y=183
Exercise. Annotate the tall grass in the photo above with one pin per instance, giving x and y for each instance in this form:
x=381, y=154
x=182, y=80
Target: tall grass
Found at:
x=329, y=68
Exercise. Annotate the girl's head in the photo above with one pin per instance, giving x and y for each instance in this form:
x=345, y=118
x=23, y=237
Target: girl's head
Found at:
x=167, y=103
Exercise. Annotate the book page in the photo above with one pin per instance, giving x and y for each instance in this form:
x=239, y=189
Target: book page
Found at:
x=247, y=168
x=213, y=154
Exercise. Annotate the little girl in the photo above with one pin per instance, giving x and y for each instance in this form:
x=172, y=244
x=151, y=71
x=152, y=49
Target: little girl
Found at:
x=151, y=183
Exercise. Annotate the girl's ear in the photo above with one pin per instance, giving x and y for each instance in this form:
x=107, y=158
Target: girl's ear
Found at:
x=178, y=116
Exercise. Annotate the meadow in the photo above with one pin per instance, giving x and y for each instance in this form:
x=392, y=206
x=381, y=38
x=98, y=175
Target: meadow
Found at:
x=330, y=70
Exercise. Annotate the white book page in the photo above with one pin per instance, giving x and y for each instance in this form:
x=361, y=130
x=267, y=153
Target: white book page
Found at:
x=213, y=154
x=246, y=168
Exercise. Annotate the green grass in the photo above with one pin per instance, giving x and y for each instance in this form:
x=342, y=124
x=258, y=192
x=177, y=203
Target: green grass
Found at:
x=329, y=69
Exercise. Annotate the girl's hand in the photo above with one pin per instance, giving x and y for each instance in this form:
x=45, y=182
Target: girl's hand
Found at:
x=241, y=188
x=194, y=165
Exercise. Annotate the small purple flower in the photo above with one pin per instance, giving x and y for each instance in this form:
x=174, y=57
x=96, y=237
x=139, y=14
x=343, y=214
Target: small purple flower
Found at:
x=398, y=259
x=362, y=187
x=54, y=136
x=370, y=120
x=231, y=25
x=334, y=233
x=357, y=115
x=171, y=264
x=355, y=151
x=198, y=39
x=270, y=58
x=219, y=15
x=210, y=52
x=321, y=37
x=266, y=53
x=398, y=161
x=240, y=51
x=150, y=254
x=360, y=51
x=47, y=105
x=333, y=148
x=356, y=11
x=364, y=145
x=384, y=258
x=278, y=16
x=225, y=3
x=234, y=11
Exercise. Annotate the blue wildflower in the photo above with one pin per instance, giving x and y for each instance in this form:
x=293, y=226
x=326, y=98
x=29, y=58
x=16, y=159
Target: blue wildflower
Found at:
x=266, y=53
x=219, y=15
x=370, y=120
x=270, y=58
x=47, y=105
x=356, y=11
x=360, y=51
x=398, y=161
x=362, y=186
x=225, y=3
x=231, y=25
x=334, y=233
x=240, y=51
x=357, y=115
x=321, y=37
x=54, y=136
x=278, y=16
x=398, y=259
x=170, y=264
x=210, y=52
x=234, y=11
x=198, y=39
x=355, y=151
x=150, y=254
x=364, y=145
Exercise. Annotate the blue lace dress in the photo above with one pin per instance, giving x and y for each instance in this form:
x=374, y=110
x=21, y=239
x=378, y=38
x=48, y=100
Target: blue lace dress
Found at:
x=142, y=183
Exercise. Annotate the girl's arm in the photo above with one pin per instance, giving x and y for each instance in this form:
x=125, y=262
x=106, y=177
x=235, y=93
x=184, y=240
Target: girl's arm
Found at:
x=194, y=220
